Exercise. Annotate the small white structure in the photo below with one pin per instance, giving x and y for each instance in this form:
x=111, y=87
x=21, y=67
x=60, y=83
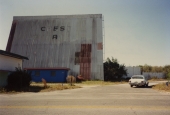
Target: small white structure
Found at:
x=133, y=70
x=150, y=75
x=8, y=62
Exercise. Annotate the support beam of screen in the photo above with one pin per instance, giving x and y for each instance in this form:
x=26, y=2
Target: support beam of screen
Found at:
x=103, y=38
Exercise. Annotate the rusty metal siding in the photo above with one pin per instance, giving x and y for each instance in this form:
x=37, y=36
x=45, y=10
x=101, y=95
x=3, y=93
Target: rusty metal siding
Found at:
x=82, y=34
x=85, y=61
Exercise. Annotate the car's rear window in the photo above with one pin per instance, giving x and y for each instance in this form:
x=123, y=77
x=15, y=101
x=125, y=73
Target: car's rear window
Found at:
x=137, y=77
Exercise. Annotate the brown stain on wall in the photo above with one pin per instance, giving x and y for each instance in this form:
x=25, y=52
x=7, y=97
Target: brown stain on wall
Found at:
x=85, y=63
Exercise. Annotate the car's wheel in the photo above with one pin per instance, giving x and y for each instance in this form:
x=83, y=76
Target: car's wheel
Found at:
x=146, y=85
x=131, y=85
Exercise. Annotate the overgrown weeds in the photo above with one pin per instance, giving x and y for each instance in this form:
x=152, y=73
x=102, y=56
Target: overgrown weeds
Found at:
x=39, y=88
x=162, y=86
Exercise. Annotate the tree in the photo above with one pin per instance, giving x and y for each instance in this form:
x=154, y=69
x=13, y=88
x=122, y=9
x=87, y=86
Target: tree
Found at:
x=156, y=69
x=113, y=70
x=147, y=68
x=166, y=70
x=168, y=77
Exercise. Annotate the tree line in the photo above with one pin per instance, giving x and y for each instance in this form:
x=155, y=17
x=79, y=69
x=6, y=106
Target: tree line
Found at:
x=148, y=68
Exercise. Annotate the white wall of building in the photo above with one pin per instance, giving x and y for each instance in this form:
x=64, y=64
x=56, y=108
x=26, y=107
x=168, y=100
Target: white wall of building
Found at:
x=150, y=75
x=9, y=63
x=133, y=70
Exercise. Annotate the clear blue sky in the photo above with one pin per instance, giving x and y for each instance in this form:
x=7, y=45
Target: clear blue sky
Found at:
x=137, y=32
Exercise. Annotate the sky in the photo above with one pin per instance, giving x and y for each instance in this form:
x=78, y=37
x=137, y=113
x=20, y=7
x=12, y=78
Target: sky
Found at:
x=136, y=32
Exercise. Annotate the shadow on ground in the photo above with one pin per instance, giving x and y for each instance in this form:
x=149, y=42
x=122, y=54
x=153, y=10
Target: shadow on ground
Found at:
x=143, y=86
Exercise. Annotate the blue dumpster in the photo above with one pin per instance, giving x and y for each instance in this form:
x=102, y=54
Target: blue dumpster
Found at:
x=49, y=74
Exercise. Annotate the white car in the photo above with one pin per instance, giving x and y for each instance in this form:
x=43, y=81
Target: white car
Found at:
x=138, y=80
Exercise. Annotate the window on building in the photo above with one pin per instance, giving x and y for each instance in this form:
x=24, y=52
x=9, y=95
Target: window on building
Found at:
x=53, y=73
x=37, y=73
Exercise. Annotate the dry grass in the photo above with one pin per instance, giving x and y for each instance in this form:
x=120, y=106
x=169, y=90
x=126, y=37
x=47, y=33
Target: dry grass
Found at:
x=53, y=87
x=39, y=87
x=71, y=79
x=162, y=87
x=100, y=83
x=2, y=90
x=157, y=79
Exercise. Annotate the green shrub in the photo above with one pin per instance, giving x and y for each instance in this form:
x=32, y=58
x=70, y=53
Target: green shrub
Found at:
x=168, y=76
x=19, y=79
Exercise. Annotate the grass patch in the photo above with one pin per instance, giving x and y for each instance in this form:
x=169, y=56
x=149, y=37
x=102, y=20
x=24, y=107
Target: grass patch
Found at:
x=157, y=79
x=53, y=87
x=39, y=88
x=100, y=83
x=162, y=87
